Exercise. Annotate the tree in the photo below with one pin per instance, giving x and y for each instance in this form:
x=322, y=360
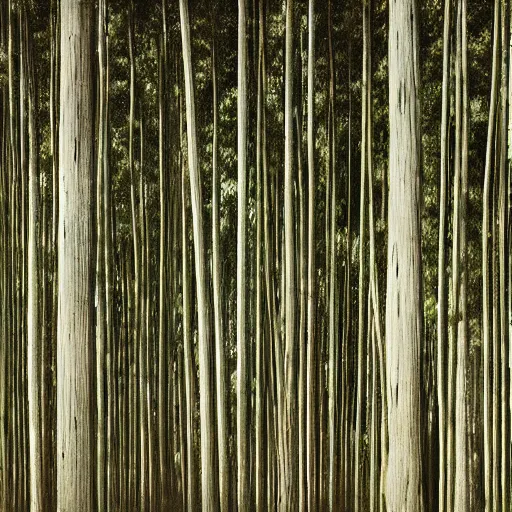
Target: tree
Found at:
x=311, y=421
x=34, y=339
x=209, y=491
x=75, y=332
x=289, y=498
x=241, y=342
x=404, y=315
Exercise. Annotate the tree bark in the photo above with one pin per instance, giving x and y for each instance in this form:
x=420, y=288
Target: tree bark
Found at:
x=75, y=333
x=222, y=425
x=290, y=497
x=442, y=308
x=404, y=313
x=242, y=430
x=312, y=351
x=34, y=327
x=209, y=490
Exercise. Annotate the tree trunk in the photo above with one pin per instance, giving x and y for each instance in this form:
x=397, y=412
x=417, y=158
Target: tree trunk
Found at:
x=101, y=326
x=312, y=351
x=442, y=308
x=75, y=333
x=222, y=426
x=209, y=491
x=34, y=328
x=461, y=417
x=404, y=313
x=486, y=282
x=242, y=383
x=289, y=499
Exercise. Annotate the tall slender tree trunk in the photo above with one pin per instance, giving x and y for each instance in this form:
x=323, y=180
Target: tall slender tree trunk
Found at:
x=34, y=328
x=486, y=282
x=162, y=290
x=242, y=425
x=209, y=490
x=101, y=326
x=312, y=351
x=289, y=499
x=462, y=480
x=442, y=308
x=404, y=313
x=332, y=277
x=361, y=357
x=75, y=332
x=188, y=356
x=260, y=326
x=222, y=425
x=136, y=317
x=503, y=234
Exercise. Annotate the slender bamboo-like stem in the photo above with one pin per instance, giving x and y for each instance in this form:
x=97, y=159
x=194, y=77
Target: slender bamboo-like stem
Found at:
x=312, y=352
x=222, y=425
x=442, y=309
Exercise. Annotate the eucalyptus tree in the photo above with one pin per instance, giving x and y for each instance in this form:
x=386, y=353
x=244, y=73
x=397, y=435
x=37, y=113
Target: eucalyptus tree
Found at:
x=289, y=497
x=460, y=263
x=312, y=350
x=442, y=310
x=242, y=394
x=101, y=320
x=404, y=314
x=75, y=331
x=209, y=490
x=503, y=222
x=220, y=358
x=34, y=330
x=488, y=406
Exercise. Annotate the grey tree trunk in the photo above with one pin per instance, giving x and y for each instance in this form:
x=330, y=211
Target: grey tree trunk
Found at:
x=332, y=279
x=242, y=382
x=404, y=305
x=188, y=357
x=442, y=308
x=361, y=357
x=290, y=492
x=34, y=327
x=222, y=425
x=209, y=490
x=503, y=235
x=311, y=380
x=162, y=289
x=101, y=326
x=462, y=481
x=259, y=327
x=75, y=332
x=486, y=283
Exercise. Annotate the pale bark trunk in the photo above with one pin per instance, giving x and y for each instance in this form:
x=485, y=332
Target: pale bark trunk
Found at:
x=361, y=357
x=242, y=430
x=290, y=495
x=332, y=278
x=461, y=417
x=260, y=361
x=100, y=273
x=442, y=309
x=311, y=406
x=162, y=287
x=209, y=491
x=188, y=356
x=34, y=328
x=503, y=222
x=75, y=330
x=222, y=425
x=404, y=313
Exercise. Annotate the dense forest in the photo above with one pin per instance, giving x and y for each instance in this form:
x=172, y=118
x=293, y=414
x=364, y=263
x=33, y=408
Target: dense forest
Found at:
x=255, y=255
